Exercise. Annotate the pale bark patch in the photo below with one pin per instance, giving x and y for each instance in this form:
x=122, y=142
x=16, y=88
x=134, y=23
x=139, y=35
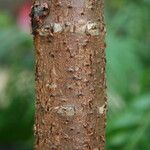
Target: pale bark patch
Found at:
x=68, y=110
x=81, y=27
x=101, y=109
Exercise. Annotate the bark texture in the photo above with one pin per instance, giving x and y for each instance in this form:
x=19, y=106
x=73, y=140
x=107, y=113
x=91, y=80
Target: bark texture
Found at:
x=70, y=74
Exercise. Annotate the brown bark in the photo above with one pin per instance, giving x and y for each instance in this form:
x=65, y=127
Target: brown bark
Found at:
x=70, y=74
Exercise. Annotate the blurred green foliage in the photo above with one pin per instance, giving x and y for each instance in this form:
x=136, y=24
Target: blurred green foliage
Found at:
x=17, y=100
x=128, y=74
x=128, y=78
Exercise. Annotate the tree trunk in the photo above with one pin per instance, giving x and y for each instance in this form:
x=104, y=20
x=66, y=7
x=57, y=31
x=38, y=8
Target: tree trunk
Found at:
x=70, y=74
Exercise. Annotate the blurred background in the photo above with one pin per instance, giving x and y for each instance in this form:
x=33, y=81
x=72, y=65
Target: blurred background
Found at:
x=128, y=75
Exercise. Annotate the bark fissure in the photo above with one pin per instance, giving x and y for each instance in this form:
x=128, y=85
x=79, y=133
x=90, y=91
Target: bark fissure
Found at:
x=70, y=74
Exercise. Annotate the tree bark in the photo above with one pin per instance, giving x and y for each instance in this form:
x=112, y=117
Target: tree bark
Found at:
x=70, y=74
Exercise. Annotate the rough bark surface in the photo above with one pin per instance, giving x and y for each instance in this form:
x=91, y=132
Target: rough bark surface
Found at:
x=70, y=74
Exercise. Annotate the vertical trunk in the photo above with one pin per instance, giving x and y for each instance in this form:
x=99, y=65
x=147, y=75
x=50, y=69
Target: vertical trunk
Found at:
x=70, y=74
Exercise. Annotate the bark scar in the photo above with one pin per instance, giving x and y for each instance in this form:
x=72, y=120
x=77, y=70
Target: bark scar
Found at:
x=39, y=11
